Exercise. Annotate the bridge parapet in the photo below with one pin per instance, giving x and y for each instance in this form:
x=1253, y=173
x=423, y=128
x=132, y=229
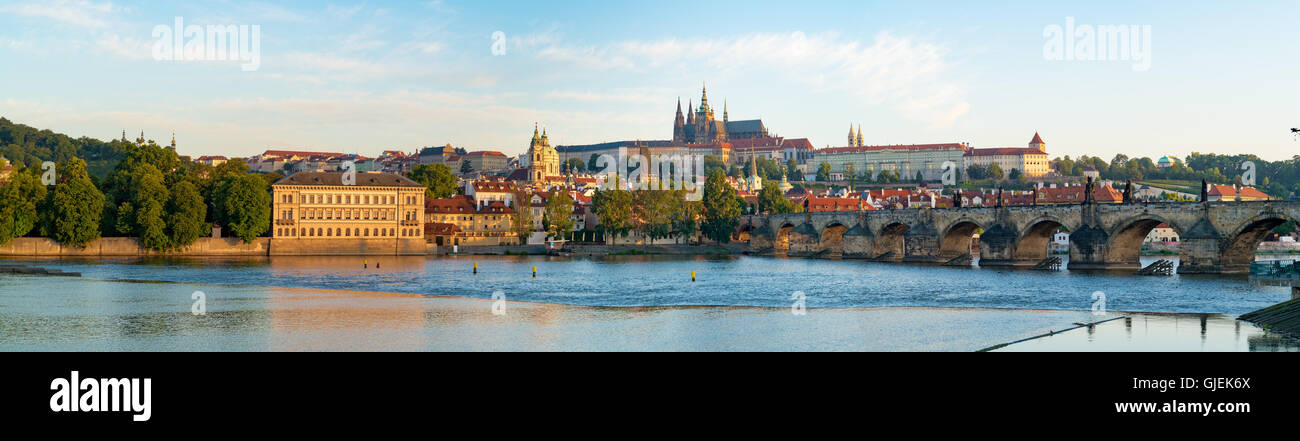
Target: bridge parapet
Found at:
x=1218, y=237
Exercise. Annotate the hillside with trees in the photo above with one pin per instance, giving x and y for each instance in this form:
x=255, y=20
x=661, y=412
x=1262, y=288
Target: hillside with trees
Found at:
x=145, y=191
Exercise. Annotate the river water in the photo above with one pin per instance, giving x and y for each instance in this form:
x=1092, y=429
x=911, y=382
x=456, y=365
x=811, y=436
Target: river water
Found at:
x=616, y=303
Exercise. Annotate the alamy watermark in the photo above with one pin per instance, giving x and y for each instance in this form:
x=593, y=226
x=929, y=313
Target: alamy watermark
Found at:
x=673, y=171
x=1098, y=43
x=1098, y=303
x=209, y=43
x=498, y=43
x=800, y=306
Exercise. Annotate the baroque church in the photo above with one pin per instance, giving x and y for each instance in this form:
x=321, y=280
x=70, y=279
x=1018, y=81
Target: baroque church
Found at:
x=700, y=126
x=543, y=160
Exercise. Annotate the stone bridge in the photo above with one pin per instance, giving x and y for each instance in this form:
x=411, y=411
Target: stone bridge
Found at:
x=1216, y=237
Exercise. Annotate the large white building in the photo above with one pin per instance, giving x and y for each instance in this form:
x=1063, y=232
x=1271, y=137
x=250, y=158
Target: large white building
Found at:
x=905, y=160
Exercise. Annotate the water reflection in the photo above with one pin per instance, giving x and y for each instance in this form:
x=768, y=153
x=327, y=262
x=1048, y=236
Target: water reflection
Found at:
x=1164, y=332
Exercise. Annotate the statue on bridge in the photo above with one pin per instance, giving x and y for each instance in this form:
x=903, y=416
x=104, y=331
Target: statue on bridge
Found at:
x=1205, y=191
x=1128, y=192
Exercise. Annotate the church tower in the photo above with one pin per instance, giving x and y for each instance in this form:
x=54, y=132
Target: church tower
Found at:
x=679, y=125
x=861, y=142
x=853, y=140
x=1037, y=143
x=543, y=161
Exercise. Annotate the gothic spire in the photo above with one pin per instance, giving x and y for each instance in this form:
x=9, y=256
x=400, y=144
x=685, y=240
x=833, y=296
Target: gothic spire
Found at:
x=704, y=98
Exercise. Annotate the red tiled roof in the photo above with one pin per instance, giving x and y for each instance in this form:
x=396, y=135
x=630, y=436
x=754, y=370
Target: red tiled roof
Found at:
x=494, y=186
x=798, y=143
x=1037, y=139
x=454, y=204
x=1000, y=151
x=815, y=204
x=1251, y=192
x=440, y=229
x=872, y=148
x=298, y=153
x=485, y=153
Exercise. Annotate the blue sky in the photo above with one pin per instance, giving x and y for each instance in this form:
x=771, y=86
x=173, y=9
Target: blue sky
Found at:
x=367, y=76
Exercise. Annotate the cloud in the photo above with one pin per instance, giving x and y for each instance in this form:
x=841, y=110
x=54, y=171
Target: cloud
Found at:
x=79, y=13
x=908, y=74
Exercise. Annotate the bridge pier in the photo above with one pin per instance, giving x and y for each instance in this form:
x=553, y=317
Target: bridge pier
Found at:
x=1201, y=251
x=804, y=241
x=998, y=248
x=921, y=244
x=1089, y=249
x=858, y=243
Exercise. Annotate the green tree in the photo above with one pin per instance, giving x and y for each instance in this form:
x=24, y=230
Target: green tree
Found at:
x=685, y=218
x=243, y=206
x=186, y=215
x=522, y=222
x=772, y=200
x=143, y=193
x=557, y=219
x=466, y=167
x=721, y=209
x=613, y=210
x=850, y=172
x=74, y=209
x=792, y=171
x=19, y=202
x=437, y=180
x=995, y=172
x=574, y=165
x=824, y=172
x=653, y=209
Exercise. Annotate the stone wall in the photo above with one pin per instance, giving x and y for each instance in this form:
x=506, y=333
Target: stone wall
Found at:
x=212, y=247
x=348, y=247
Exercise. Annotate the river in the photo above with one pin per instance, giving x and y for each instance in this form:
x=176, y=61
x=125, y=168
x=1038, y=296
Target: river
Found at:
x=614, y=303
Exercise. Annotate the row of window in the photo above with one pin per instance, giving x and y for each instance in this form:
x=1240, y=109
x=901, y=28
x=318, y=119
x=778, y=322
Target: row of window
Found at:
x=347, y=232
x=360, y=199
x=344, y=214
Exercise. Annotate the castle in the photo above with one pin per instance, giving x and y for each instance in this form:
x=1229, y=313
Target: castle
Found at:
x=699, y=126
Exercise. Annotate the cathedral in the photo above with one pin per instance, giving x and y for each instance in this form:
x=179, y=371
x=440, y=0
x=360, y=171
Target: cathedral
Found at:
x=699, y=126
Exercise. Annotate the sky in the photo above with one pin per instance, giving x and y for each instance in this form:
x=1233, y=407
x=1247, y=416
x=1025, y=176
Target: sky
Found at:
x=363, y=77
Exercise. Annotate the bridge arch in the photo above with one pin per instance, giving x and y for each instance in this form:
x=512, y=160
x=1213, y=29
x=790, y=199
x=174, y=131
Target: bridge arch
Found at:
x=781, y=238
x=956, y=240
x=1239, y=245
x=1124, y=245
x=1036, y=238
x=890, y=243
x=832, y=240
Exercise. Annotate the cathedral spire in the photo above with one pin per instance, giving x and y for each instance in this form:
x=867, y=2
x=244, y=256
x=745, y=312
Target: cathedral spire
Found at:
x=724, y=110
x=853, y=141
x=173, y=140
x=704, y=98
x=861, y=142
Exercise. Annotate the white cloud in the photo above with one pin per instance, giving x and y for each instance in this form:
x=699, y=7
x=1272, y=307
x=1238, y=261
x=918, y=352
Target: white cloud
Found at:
x=907, y=74
x=74, y=12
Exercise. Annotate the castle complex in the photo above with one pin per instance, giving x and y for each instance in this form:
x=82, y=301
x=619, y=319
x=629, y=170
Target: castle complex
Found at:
x=699, y=125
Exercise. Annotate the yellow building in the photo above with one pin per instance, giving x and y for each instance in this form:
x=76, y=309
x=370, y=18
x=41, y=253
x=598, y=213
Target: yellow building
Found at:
x=317, y=206
x=543, y=160
x=1032, y=161
x=458, y=220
